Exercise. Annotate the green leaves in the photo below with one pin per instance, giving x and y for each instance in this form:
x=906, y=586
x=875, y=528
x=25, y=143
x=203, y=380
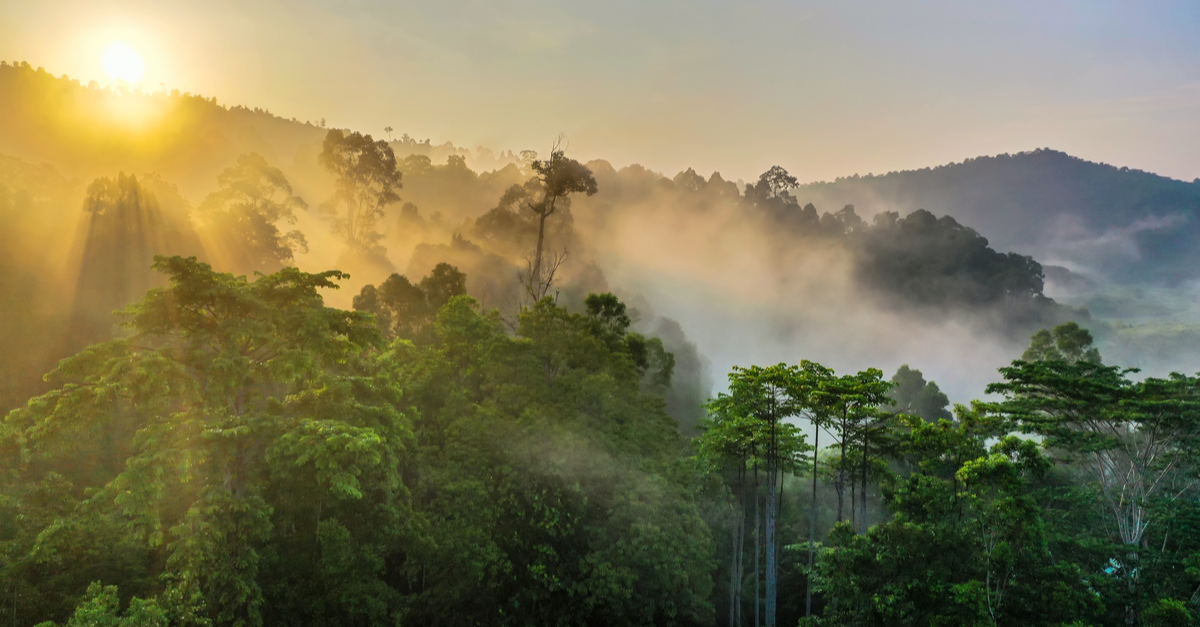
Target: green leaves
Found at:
x=339, y=453
x=100, y=608
x=230, y=400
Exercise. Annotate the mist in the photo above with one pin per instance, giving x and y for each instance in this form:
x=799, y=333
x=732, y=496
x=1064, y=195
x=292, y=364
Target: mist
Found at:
x=587, y=315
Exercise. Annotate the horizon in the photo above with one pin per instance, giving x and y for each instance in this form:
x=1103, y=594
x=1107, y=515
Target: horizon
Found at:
x=115, y=86
x=1110, y=84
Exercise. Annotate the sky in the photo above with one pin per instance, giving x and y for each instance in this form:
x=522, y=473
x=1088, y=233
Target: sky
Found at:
x=823, y=88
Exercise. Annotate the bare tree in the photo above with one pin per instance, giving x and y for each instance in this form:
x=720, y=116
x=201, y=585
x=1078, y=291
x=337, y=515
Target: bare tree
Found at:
x=536, y=280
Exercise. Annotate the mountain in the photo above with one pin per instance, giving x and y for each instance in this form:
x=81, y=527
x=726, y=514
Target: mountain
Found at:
x=1118, y=224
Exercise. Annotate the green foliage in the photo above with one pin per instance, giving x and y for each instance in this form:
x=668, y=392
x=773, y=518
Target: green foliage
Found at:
x=272, y=461
x=100, y=608
x=937, y=262
x=962, y=550
x=1167, y=613
x=225, y=390
x=911, y=394
x=404, y=310
x=1068, y=342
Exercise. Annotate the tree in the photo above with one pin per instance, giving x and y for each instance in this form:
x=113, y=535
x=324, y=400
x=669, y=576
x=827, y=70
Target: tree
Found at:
x=101, y=606
x=727, y=444
x=366, y=182
x=778, y=181
x=966, y=544
x=911, y=394
x=852, y=402
x=818, y=411
x=547, y=471
x=1068, y=342
x=443, y=283
x=1135, y=443
x=242, y=216
x=548, y=192
x=404, y=310
x=247, y=432
x=769, y=395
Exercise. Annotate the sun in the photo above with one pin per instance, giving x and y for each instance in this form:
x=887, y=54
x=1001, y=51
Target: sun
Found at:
x=122, y=62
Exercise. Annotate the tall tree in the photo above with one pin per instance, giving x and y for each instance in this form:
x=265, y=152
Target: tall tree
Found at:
x=819, y=416
x=727, y=444
x=366, y=182
x=549, y=192
x=1136, y=442
x=770, y=395
x=852, y=402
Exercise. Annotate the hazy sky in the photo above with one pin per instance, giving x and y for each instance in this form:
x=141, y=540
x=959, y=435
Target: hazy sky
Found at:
x=822, y=88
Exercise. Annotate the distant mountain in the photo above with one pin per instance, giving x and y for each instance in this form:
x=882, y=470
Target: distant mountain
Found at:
x=1115, y=223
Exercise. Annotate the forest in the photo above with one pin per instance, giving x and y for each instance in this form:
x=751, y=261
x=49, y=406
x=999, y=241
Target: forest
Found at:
x=367, y=388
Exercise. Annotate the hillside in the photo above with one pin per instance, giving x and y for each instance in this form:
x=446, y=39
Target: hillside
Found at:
x=87, y=131
x=695, y=253
x=1115, y=224
x=1120, y=224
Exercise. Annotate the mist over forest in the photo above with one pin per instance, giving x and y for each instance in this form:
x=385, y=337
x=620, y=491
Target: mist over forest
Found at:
x=259, y=370
x=695, y=247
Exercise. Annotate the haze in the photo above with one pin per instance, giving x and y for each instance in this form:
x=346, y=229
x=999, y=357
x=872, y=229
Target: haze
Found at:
x=823, y=88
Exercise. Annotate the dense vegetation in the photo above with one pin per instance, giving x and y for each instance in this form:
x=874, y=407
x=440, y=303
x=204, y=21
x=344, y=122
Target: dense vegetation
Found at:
x=245, y=455
x=488, y=433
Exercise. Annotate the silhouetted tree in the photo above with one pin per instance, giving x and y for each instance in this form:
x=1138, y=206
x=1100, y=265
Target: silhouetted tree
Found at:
x=242, y=216
x=367, y=182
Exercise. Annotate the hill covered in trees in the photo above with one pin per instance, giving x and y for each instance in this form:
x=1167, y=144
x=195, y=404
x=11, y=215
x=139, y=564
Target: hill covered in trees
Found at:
x=1116, y=223
x=88, y=131
x=248, y=191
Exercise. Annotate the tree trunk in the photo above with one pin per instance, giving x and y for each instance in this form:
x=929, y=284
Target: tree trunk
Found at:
x=812, y=525
x=771, y=561
x=863, y=493
x=733, y=570
x=742, y=543
x=840, y=483
x=757, y=545
x=1132, y=564
x=853, y=500
x=535, y=275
